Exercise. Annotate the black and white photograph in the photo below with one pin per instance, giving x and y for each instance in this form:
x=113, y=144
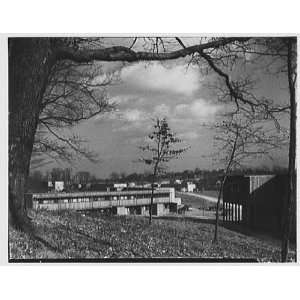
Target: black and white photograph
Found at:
x=144, y=148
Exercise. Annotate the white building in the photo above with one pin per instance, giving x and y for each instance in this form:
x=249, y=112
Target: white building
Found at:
x=59, y=186
x=120, y=186
x=191, y=187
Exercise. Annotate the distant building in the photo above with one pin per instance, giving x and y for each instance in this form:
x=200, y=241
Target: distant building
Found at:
x=165, y=182
x=59, y=186
x=184, y=187
x=190, y=187
x=120, y=186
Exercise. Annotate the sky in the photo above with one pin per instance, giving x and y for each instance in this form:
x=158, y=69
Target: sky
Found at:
x=174, y=90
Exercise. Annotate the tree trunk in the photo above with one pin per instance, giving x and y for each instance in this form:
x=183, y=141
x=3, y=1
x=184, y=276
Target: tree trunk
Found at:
x=29, y=67
x=151, y=203
x=291, y=197
x=228, y=168
x=217, y=210
x=152, y=193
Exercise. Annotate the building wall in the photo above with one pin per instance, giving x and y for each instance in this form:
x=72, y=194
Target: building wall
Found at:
x=125, y=202
x=262, y=198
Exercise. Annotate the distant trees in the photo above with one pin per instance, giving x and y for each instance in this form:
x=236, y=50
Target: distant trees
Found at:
x=114, y=176
x=82, y=177
x=159, y=151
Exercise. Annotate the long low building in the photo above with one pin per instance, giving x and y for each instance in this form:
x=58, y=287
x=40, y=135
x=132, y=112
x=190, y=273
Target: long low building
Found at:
x=120, y=202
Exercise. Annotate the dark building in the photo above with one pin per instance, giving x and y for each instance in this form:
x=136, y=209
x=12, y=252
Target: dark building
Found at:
x=256, y=201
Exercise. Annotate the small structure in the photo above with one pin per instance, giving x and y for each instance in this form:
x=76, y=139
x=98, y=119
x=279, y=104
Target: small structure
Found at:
x=184, y=187
x=190, y=187
x=59, y=186
x=120, y=186
x=256, y=201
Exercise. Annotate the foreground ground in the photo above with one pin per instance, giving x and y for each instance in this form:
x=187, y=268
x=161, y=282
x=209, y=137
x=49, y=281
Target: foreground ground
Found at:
x=90, y=235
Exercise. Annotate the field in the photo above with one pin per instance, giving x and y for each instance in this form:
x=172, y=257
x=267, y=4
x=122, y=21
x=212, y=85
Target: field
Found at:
x=77, y=235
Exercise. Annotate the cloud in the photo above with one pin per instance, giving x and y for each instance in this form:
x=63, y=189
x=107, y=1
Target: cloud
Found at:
x=120, y=99
x=161, y=110
x=133, y=115
x=153, y=77
x=199, y=108
x=189, y=135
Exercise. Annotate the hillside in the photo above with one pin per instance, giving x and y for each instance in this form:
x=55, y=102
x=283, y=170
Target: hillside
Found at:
x=90, y=235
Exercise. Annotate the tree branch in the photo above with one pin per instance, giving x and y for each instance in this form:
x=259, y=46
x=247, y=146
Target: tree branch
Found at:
x=120, y=53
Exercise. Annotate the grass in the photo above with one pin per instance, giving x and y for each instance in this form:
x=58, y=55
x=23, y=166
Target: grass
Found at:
x=90, y=235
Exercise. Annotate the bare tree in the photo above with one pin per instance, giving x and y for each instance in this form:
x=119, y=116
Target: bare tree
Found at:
x=75, y=93
x=159, y=151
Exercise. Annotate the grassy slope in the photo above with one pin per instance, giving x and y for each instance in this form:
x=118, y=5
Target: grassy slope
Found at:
x=78, y=235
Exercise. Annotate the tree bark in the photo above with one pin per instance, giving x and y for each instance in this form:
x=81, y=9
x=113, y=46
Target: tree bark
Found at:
x=291, y=195
x=29, y=67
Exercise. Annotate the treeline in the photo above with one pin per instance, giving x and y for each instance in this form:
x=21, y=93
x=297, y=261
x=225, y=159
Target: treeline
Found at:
x=206, y=178
x=197, y=173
